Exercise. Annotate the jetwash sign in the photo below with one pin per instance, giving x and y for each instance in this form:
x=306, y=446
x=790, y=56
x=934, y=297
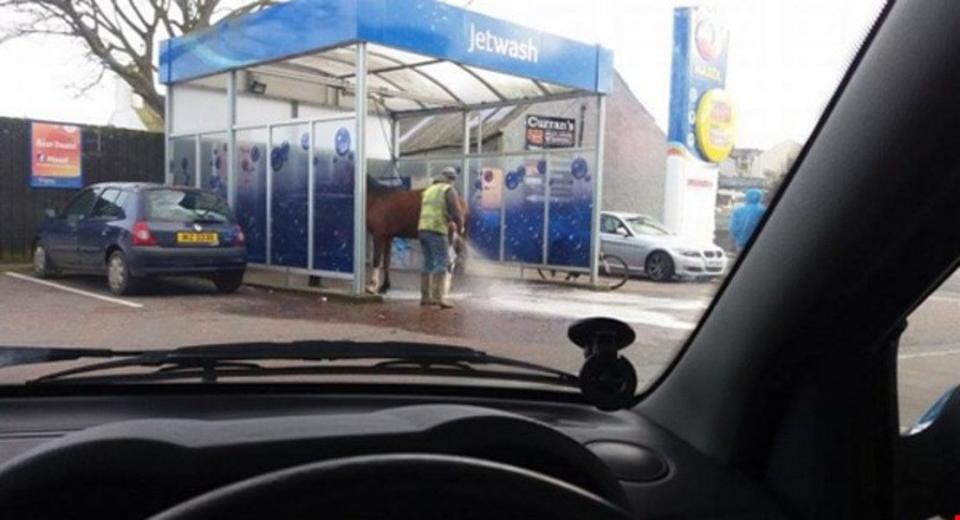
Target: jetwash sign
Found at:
x=487, y=41
x=56, y=154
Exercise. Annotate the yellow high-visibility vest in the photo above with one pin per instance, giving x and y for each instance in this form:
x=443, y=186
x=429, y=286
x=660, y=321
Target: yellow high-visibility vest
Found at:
x=433, y=209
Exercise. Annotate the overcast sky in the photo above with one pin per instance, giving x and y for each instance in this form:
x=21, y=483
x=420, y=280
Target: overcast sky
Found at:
x=786, y=58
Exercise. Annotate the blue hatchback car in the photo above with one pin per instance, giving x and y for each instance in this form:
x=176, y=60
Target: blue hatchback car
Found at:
x=131, y=231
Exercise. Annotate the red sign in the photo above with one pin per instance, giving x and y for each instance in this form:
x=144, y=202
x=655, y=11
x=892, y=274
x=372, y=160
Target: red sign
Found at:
x=56, y=156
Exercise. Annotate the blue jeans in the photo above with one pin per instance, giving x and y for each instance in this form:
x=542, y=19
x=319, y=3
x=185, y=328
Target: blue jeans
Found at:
x=436, y=252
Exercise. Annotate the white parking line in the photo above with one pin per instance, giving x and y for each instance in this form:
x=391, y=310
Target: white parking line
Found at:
x=118, y=301
x=935, y=353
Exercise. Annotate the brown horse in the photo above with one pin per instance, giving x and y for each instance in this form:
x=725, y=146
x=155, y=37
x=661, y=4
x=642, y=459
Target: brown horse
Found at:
x=395, y=213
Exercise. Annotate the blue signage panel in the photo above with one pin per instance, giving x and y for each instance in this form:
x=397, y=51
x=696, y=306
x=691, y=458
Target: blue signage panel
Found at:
x=699, y=65
x=425, y=27
x=279, y=32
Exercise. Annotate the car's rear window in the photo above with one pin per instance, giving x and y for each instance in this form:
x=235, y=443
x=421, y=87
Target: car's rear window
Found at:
x=177, y=205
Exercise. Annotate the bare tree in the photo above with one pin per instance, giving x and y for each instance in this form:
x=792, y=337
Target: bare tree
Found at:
x=119, y=35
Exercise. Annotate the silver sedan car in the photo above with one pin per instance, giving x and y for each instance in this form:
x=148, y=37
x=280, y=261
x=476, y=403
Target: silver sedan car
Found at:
x=649, y=247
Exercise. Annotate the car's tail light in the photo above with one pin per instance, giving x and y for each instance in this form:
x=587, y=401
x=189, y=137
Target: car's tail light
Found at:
x=142, y=235
x=239, y=239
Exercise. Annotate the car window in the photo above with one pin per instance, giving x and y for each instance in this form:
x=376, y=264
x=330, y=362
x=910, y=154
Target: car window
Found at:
x=928, y=358
x=122, y=199
x=646, y=226
x=176, y=205
x=609, y=224
x=106, y=206
x=81, y=205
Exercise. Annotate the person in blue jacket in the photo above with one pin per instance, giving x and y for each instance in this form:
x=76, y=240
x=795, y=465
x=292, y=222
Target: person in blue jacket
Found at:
x=744, y=220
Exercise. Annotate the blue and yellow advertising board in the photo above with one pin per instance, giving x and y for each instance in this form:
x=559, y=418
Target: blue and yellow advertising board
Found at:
x=702, y=117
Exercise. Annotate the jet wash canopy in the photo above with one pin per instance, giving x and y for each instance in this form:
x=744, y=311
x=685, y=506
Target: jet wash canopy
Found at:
x=265, y=108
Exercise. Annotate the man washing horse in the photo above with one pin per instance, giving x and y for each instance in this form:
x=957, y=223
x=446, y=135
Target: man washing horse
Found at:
x=439, y=211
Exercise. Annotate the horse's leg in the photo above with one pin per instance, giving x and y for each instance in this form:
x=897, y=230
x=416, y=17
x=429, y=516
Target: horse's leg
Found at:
x=387, y=253
x=374, y=283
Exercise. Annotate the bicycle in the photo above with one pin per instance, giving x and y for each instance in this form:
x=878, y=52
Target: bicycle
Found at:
x=612, y=269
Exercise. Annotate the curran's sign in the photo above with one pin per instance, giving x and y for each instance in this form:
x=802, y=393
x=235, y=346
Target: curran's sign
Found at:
x=550, y=132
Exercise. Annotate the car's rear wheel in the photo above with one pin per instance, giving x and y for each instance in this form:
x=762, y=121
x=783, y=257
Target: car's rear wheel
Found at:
x=42, y=266
x=659, y=267
x=118, y=275
x=228, y=282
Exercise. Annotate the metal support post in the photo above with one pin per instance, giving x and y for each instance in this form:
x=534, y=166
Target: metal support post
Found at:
x=198, y=157
x=465, y=163
x=359, y=175
x=545, y=259
x=231, y=159
x=269, y=194
x=597, y=191
x=168, y=131
x=394, y=140
x=311, y=194
x=480, y=132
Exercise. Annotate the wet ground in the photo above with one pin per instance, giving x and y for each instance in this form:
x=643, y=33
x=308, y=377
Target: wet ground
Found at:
x=524, y=319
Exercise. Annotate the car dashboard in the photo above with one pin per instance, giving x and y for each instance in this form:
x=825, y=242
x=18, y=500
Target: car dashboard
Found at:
x=130, y=455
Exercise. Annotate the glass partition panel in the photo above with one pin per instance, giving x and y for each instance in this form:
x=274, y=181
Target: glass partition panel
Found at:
x=183, y=160
x=213, y=163
x=486, y=207
x=333, y=163
x=289, y=166
x=524, y=183
x=251, y=202
x=571, y=184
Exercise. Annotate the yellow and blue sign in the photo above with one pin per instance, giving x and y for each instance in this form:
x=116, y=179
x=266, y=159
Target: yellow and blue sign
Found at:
x=702, y=119
x=715, y=125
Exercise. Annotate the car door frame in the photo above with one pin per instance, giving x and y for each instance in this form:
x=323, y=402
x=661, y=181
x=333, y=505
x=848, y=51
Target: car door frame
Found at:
x=95, y=234
x=620, y=245
x=60, y=234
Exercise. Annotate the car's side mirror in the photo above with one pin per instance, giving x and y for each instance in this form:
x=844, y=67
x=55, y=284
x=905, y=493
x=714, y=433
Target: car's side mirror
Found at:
x=50, y=213
x=927, y=461
x=622, y=231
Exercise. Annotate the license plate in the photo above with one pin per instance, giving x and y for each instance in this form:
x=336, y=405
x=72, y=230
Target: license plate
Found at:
x=206, y=239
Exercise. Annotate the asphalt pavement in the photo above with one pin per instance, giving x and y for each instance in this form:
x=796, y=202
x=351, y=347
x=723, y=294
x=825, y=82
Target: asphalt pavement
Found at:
x=517, y=318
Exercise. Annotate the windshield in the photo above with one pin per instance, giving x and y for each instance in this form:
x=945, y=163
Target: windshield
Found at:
x=646, y=226
x=184, y=206
x=238, y=186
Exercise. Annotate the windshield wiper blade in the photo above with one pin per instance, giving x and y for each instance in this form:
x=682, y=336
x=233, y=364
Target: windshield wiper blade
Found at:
x=395, y=357
x=13, y=356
